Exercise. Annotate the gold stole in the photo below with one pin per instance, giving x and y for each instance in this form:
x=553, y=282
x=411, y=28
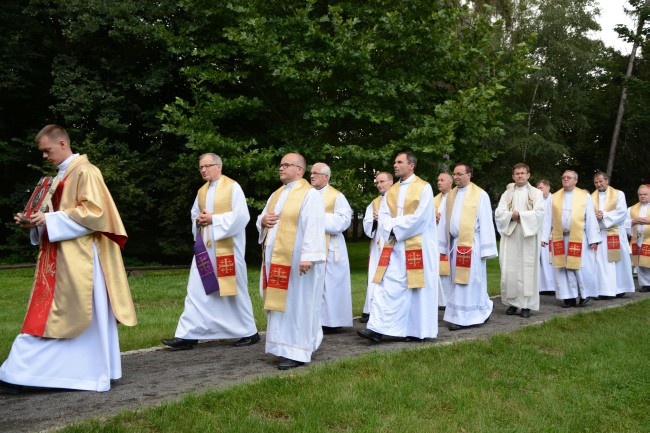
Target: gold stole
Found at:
x=465, y=242
x=275, y=288
x=640, y=256
x=413, y=245
x=329, y=199
x=224, y=248
x=613, y=239
x=436, y=202
x=573, y=258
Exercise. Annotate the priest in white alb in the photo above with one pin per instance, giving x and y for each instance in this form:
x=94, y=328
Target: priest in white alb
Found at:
x=638, y=218
x=575, y=236
x=519, y=217
x=546, y=279
x=383, y=182
x=217, y=305
x=466, y=235
x=445, y=182
x=292, y=234
x=336, y=310
x=69, y=336
x=405, y=300
x=613, y=262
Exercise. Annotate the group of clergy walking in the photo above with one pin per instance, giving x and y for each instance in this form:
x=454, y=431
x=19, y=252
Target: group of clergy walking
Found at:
x=426, y=253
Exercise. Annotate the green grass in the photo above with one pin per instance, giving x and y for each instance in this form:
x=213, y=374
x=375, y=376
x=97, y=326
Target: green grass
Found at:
x=159, y=298
x=583, y=373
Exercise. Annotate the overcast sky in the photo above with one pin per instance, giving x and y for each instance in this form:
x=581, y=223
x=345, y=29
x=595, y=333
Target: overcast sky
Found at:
x=612, y=13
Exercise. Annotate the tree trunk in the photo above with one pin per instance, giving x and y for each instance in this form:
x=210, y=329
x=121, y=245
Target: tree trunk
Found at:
x=621, y=105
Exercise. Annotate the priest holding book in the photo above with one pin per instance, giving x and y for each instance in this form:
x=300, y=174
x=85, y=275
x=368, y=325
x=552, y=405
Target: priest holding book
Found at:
x=69, y=336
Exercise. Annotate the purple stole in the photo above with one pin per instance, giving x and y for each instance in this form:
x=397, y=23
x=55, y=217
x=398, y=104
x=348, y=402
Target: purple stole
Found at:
x=204, y=266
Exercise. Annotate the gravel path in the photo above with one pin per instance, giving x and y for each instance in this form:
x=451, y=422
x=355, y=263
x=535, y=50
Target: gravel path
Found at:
x=152, y=376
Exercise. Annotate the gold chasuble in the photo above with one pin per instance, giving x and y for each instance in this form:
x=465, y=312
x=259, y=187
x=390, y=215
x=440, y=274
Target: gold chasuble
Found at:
x=61, y=303
x=465, y=243
x=224, y=248
x=444, y=268
x=573, y=258
x=413, y=245
x=640, y=256
x=276, y=285
x=329, y=199
x=613, y=239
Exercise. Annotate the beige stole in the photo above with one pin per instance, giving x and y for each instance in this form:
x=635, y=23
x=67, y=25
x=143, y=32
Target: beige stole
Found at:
x=573, y=258
x=224, y=248
x=444, y=259
x=640, y=256
x=465, y=242
x=413, y=245
x=329, y=199
x=436, y=203
x=376, y=203
x=276, y=286
x=613, y=239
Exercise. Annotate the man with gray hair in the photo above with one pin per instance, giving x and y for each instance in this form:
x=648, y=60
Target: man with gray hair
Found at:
x=636, y=224
x=217, y=305
x=575, y=237
x=336, y=310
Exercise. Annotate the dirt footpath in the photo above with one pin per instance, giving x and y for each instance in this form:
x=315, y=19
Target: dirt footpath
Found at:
x=156, y=375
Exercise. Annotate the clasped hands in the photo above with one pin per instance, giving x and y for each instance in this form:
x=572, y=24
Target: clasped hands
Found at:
x=204, y=218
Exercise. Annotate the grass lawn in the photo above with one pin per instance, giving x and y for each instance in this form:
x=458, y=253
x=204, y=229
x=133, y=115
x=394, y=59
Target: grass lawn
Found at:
x=159, y=297
x=583, y=373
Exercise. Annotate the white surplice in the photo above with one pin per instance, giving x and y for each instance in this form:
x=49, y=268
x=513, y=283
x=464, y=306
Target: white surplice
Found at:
x=397, y=310
x=583, y=282
x=520, y=241
x=642, y=272
x=213, y=317
x=297, y=333
x=376, y=244
x=546, y=279
x=337, y=293
x=614, y=277
x=469, y=304
x=444, y=287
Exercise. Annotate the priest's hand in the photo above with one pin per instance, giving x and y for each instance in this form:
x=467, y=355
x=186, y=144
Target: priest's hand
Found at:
x=593, y=246
x=270, y=220
x=438, y=218
x=19, y=220
x=515, y=216
x=375, y=215
x=599, y=215
x=305, y=266
x=37, y=219
x=544, y=244
x=204, y=218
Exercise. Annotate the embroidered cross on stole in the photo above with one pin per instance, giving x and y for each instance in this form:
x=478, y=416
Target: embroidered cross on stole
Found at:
x=571, y=259
x=613, y=239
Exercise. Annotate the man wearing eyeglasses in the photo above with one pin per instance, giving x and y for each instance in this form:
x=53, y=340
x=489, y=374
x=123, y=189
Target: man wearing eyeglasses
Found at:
x=636, y=224
x=466, y=235
x=520, y=217
x=613, y=262
x=383, y=182
x=217, y=305
x=292, y=234
x=405, y=298
x=575, y=237
x=336, y=310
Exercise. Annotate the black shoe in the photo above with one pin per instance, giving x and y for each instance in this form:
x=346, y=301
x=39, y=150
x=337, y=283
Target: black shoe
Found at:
x=370, y=335
x=525, y=313
x=511, y=311
x=620, y=295
x=11, y=388
x=364, y=318
x=331, y=329
x=454, y=327
x=180, y=343
x=568, y=303
x=414, y=340
x=288, y=364
x=442, y=308
x=547, y=293
x=645, y=289
x=583, y=302
x=247, y=341
x=603, y=298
